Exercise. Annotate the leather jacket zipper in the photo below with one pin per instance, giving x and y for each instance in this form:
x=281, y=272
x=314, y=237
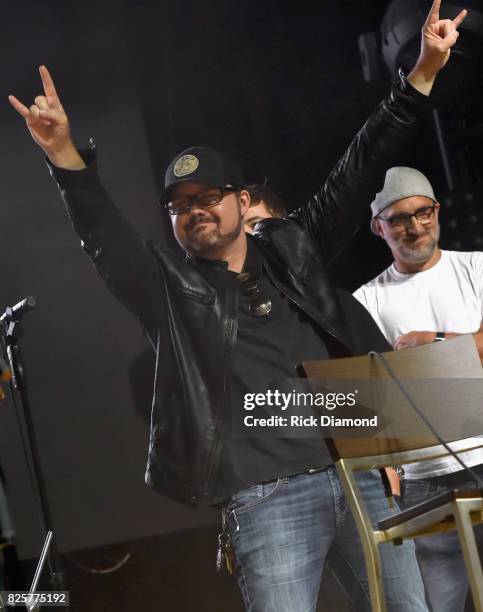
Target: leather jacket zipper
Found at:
x=230, y=339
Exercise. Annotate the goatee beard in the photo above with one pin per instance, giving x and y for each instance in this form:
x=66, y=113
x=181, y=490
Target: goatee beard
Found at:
x=214, y=242
x=420, y=254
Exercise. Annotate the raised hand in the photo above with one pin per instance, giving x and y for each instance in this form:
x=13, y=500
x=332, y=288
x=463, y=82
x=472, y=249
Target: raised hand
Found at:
x=49, y=126
x=437, y=38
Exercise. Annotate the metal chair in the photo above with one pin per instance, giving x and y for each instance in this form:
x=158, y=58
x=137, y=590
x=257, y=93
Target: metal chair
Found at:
x=455, y=509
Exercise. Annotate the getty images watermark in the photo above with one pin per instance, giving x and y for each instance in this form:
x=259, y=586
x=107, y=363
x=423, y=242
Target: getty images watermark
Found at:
x=361, y=408
x=315, y=406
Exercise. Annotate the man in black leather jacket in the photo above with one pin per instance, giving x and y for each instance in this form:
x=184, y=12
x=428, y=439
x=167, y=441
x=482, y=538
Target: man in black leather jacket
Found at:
x=233, y=304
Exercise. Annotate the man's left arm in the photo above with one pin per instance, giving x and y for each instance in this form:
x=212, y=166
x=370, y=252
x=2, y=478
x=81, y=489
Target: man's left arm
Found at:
x=417, y=338
x=334, y=213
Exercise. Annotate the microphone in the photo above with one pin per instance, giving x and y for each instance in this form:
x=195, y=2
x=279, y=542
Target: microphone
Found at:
x=16, y=312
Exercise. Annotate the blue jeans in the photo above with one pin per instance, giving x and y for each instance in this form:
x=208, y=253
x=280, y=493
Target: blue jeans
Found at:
x=281, y=532
x=440, y=557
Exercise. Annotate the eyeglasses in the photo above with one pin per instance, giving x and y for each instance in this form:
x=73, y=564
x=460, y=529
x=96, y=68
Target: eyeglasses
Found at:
x=424, y=215
x=260, y=306
x=205, y=199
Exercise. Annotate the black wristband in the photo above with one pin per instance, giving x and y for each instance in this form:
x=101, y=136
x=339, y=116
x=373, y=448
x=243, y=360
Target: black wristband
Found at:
x=439, y=336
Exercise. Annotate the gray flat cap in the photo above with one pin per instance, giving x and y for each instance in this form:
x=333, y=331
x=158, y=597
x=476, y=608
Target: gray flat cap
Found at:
x=401, y=182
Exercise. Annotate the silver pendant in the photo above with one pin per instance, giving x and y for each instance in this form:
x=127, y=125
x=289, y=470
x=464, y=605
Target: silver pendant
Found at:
x=260, y=308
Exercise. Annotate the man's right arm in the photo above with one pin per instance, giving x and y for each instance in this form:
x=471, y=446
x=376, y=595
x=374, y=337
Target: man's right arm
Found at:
x=119, y=254
x=128, y=266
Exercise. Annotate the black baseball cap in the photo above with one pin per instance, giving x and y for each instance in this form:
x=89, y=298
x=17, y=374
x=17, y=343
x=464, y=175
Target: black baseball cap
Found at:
x=204, y=165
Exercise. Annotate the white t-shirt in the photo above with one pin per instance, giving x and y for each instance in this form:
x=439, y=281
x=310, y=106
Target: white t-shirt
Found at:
x=447, y=297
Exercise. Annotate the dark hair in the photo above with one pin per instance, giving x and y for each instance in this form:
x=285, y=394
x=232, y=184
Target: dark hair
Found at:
x=274, y=204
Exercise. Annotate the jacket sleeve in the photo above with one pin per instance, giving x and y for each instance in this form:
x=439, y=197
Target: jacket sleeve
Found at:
x=122, y=258
x=334, y=213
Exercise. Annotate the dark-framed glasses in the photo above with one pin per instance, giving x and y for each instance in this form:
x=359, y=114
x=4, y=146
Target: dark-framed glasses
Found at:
x=205, y=199
x=424, y=215
x=260, y=305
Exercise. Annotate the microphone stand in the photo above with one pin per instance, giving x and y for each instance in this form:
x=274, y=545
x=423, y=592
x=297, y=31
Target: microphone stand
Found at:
x=19, y=383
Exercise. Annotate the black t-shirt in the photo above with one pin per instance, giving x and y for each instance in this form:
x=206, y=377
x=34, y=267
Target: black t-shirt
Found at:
x=268, y=349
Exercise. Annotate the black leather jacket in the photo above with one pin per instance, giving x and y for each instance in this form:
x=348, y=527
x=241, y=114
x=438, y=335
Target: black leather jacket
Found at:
x=189, y=311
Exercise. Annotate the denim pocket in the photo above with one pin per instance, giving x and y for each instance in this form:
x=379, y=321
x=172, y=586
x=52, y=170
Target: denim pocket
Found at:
x=253, y=496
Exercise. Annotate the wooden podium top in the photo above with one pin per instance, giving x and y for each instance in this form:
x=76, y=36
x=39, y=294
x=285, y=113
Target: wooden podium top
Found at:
x=455, y=358
x=451, y=399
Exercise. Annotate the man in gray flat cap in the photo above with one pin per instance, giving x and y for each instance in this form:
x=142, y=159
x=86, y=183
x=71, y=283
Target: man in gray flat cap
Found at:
x=427, y=295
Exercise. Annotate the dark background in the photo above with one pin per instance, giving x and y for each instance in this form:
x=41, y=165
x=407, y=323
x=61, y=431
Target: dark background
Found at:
x=276, y=83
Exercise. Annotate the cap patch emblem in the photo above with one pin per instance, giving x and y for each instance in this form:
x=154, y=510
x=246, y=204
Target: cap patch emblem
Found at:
x=185, y=165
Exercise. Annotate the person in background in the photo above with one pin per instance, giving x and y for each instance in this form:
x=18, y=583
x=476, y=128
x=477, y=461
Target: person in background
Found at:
x=427, y=295
x=264, y=204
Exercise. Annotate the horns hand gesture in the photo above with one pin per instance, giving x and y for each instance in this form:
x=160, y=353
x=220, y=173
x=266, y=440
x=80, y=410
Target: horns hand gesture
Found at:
x=438, y=37
x=48, y=124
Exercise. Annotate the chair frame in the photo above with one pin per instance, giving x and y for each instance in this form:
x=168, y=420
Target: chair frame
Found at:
x=460, y=514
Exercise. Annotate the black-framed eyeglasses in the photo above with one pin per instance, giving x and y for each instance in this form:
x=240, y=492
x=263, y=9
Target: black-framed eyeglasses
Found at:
x=205, y=199
x=260, y=305
x=424, y=215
